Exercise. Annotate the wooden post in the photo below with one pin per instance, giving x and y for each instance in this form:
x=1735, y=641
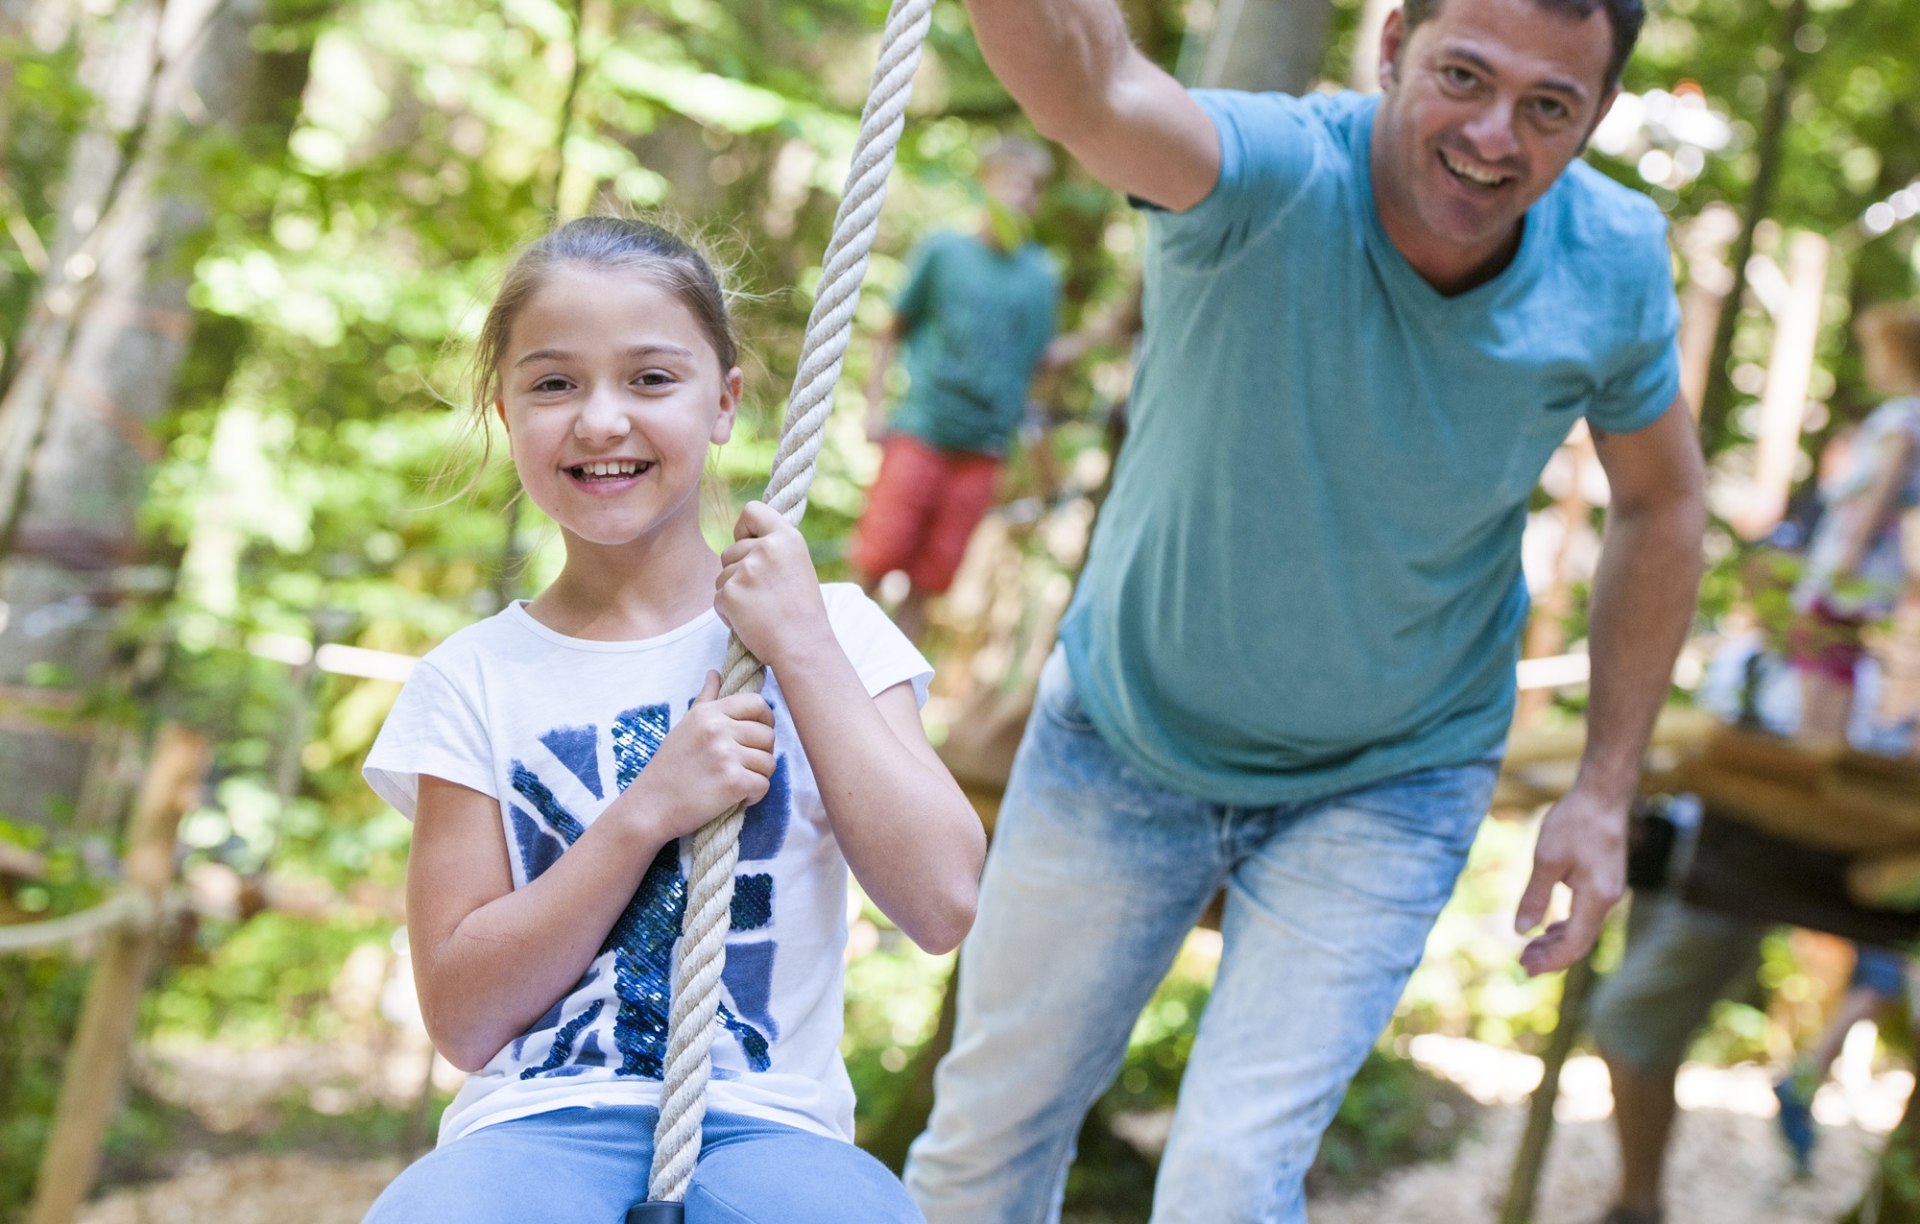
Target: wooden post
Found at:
x=97, y=1061
x=1532, y=1156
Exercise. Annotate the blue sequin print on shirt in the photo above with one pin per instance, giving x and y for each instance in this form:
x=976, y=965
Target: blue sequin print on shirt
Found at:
x=642, y=939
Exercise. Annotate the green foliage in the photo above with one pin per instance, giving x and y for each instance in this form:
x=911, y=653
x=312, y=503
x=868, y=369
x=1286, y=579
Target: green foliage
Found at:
x=39, y=1006
x=892, y=1002
x=1394, y=1114
x=269, y=978
x=1161, y=1041
x=40, y=997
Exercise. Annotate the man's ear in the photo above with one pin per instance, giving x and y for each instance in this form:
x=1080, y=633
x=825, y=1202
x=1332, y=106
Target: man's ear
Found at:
x=1393, y=37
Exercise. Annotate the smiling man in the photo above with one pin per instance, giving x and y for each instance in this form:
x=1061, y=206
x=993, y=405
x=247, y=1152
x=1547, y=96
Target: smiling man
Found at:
x=1288, y=668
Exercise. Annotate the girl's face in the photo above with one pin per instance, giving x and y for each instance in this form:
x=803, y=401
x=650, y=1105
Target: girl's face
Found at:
x=611, y=394
x=1887, y=372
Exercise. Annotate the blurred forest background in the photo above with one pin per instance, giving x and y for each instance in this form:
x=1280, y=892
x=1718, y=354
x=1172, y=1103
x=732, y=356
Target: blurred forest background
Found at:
x=243, y=245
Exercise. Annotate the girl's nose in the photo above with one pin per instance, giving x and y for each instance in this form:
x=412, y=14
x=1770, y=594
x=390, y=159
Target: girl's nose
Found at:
x=601, y=418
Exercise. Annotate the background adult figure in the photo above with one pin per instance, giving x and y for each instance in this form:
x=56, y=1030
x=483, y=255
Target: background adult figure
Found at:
x=1855, y=571
x=976, y=315
x=1288, y=668
x=1681, y=958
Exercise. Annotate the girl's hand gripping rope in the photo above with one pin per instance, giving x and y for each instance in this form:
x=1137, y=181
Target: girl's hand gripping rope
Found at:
x=719, y=754
x=768, y=592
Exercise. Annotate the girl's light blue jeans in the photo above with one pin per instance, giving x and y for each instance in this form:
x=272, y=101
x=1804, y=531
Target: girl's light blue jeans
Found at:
x=587, y=1166
x=1095, y=877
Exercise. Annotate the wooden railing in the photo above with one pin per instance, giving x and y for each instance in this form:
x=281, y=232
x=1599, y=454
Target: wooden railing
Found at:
x=128, y=925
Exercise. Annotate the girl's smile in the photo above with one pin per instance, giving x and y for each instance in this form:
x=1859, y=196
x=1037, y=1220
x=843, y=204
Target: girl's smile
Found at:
x=608, y=477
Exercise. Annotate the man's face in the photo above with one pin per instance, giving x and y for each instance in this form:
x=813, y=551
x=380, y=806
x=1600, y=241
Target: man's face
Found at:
x=1486, y=103
x=1013, y=185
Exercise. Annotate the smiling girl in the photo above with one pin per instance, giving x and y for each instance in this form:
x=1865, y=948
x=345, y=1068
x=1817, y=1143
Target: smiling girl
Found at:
x=555, y=757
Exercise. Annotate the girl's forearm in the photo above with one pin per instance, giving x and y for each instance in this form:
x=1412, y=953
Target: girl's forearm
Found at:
x=1879, y=502
x=907, y=830
x=508, y=961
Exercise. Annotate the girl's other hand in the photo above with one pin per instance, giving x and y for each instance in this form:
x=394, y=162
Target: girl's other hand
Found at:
x=719, y=754
x=768, y=592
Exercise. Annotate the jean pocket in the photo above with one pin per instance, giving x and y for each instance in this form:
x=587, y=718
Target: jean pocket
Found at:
x=1056, y=698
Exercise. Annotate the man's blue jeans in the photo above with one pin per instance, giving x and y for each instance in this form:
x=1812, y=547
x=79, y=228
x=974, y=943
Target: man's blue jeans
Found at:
x=1095, y=877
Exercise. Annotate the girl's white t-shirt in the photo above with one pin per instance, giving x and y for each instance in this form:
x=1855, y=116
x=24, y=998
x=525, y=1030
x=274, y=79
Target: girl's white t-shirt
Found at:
x=554, y=727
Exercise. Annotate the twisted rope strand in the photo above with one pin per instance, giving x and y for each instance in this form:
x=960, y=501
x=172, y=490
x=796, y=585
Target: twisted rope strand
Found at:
x=716, y=847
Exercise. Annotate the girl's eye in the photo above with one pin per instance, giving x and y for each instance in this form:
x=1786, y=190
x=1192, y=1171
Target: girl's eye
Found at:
x=551, y=383
x=654, y=378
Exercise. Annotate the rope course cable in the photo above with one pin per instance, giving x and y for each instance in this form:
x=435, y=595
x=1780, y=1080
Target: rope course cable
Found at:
x=716, y=847
x=127, y=907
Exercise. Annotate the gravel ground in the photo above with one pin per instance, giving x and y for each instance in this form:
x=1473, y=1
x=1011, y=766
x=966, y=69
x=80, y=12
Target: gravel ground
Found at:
x=1727, y=1166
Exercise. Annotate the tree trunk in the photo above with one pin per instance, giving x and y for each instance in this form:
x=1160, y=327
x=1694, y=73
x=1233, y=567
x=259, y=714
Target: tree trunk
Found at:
x=99, y=355
x=1261, y=45
x=1717, y=400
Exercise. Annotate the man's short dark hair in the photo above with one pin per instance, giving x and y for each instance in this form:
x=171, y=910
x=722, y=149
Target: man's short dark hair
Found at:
x=1624, y=16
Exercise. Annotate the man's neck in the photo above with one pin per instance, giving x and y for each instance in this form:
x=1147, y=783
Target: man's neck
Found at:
x=991, y=239
x=1002, y=229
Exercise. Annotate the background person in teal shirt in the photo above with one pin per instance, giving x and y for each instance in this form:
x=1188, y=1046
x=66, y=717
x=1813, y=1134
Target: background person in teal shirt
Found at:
x=1288, y=668
x=976, y=315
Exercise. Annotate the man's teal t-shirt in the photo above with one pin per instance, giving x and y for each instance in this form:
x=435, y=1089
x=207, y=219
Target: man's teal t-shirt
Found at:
x=1307, y=576
x=976, y=321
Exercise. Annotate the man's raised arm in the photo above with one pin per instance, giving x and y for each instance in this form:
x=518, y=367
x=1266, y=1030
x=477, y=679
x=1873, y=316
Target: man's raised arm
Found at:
x=1072, y=67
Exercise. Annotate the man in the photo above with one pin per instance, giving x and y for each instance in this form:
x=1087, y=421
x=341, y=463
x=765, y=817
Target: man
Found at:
x=976, y=314
x=1288, y=668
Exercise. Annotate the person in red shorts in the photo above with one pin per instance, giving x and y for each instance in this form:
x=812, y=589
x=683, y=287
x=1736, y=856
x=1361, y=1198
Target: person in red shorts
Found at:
x=976, y=316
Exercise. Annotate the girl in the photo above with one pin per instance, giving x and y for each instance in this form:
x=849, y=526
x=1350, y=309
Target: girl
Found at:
x=555, y=757
x=1854, y=568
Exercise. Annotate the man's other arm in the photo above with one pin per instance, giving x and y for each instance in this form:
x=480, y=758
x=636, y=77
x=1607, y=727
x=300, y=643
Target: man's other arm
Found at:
x=1643, y=600
x=1072, y=67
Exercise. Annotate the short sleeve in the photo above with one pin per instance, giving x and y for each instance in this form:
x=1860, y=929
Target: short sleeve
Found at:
x=881, y=655
x=433, y=729
x=922, y=265
x=1268, y=143
x=1646, y=364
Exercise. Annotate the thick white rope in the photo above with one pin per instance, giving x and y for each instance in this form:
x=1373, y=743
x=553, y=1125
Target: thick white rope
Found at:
x=716, y=848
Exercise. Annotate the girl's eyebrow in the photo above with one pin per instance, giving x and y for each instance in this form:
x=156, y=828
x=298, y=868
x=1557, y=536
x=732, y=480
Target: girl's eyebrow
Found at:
x=638, y=350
